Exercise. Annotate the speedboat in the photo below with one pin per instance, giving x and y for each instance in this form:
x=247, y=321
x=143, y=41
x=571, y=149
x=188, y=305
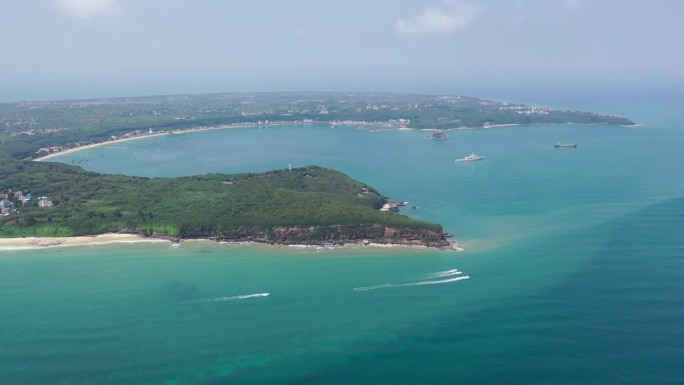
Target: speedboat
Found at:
x=470, y=158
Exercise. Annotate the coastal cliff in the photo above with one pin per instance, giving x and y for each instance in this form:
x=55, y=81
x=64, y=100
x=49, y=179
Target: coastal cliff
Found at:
x=336, y=235
x=376, y=233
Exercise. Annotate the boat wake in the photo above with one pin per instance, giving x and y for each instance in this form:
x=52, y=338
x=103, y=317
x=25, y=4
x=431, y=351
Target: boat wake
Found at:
x=441, y=274
x=231, y=298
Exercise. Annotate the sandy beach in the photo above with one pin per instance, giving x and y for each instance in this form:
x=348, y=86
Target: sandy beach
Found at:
x=177, y=132
x=500, y=125
x=39, y=242
x=74, y=149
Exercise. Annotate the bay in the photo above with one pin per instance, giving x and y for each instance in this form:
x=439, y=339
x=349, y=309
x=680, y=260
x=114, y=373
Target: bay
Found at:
x=574, y=259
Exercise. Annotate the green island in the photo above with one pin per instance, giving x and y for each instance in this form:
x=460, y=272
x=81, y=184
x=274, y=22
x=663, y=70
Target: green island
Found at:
x=307, y=205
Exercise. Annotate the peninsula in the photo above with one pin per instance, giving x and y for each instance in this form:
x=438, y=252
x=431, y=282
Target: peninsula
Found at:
x=35, y=129
x=307, y=205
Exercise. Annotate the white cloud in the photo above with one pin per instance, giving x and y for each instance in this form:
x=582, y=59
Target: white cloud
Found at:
x=571, y=4
x=451, y=15
x=88, y=9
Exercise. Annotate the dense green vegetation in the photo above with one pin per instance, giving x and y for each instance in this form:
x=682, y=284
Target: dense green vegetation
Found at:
x=26, y=127
x=305, y=205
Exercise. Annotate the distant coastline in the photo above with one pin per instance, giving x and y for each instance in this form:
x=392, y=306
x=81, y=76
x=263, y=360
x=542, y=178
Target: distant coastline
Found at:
x=42, y=136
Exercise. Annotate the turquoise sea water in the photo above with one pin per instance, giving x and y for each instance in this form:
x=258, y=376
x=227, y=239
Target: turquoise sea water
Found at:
x=575, y=259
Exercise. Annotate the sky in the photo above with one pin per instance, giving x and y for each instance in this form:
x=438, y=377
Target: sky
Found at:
x=54, y=48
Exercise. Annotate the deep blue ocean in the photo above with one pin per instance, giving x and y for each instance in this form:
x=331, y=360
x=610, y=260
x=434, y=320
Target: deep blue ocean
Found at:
x=575, y=259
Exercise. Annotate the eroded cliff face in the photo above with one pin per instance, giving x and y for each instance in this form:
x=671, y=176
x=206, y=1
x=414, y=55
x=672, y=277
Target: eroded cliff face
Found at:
x=358, y=234
x=334, y=235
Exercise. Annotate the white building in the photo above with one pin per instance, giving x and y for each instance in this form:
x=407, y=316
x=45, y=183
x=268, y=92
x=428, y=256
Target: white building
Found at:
x=44, y=203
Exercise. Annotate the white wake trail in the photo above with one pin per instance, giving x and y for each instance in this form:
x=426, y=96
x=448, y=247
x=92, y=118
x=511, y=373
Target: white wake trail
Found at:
x=442, y=274
x=421, y=283
x=231, y=298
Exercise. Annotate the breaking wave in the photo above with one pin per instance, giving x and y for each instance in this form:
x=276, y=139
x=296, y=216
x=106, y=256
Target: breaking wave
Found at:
x=231, y=298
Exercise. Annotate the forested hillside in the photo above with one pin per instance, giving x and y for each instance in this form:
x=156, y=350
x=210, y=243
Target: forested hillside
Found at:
x=309, y=204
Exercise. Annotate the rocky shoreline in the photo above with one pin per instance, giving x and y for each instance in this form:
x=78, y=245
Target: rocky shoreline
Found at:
x=416, y=240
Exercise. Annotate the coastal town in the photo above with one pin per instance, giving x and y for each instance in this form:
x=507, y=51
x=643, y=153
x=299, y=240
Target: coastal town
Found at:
x=11, y=201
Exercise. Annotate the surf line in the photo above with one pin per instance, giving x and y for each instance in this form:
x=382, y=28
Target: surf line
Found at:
x=231, y=298
x=421, y=283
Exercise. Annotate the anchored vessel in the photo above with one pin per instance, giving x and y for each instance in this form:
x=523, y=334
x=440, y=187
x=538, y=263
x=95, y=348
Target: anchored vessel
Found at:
x=470, y=158
x=439, y=136
x=572, y=145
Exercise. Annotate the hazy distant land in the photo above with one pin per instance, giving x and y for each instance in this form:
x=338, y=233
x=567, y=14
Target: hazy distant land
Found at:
x=36, y=129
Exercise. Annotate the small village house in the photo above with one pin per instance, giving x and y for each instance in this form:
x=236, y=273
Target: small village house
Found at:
x=44, y=202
